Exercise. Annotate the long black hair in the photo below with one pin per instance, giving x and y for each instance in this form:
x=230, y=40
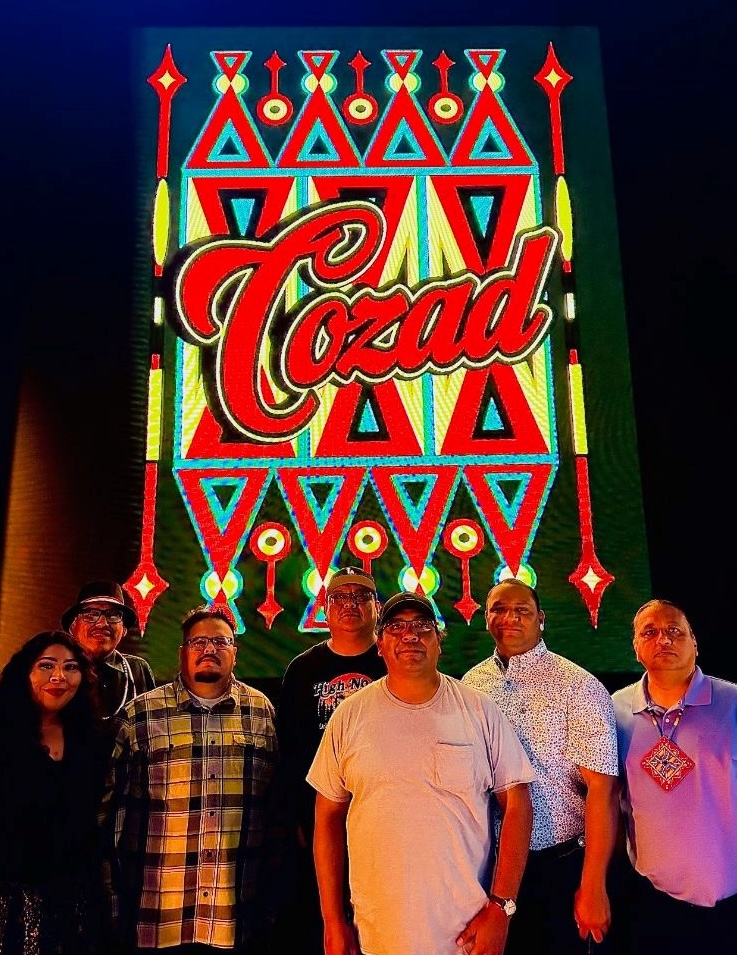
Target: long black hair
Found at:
x=20, y=716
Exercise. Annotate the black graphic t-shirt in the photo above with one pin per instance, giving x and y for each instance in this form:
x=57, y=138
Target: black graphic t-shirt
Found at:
x=314, y=684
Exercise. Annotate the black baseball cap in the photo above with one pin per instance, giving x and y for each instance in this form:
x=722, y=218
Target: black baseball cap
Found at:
x=406, y=601
x=351, y=575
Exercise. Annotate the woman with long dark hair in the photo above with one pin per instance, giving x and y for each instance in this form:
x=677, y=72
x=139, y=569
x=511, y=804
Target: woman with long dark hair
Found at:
x=51, y=770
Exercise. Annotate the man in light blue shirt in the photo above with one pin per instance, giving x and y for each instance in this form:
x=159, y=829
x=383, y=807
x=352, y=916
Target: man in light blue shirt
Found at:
x=677, y=739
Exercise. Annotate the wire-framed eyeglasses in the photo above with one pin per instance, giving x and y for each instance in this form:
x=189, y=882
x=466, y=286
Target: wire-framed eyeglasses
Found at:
x=420, y=628
x=344, y=597
x=673, y=633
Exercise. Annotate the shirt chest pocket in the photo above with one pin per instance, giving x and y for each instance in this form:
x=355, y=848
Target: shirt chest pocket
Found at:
x=171, y=772
x=454, y=766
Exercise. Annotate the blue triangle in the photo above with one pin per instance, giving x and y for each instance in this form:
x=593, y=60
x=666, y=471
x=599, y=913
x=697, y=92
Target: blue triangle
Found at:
x=222, y=514
x=509, y=508
x=243, y=210
x=318, y=137
x=228, y=138
x=490, y=145
x=492, y=421
x=482, y=206
x=414, y=509
x=368, y=422
x=321, y=511
x=403, y=134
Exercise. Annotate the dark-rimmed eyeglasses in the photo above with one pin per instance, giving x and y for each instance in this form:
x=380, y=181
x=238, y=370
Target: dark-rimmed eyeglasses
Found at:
x=199, y=643
x=420, y=628
x=93, y=615
x=343, y=597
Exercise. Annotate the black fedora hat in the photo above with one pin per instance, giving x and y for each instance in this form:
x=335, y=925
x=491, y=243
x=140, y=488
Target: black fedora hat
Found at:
x=107, y=590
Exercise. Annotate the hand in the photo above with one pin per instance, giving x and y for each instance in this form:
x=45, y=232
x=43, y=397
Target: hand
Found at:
x=339, y=938
x=592, y=913
x=486, y=933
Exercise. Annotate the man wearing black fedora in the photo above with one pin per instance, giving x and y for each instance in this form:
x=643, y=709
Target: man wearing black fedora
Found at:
x=97, y=622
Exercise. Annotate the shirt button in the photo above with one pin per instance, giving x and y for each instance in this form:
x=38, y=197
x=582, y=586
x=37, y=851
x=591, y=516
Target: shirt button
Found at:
x=205, y=893
x=212, y=775
x=212, y=812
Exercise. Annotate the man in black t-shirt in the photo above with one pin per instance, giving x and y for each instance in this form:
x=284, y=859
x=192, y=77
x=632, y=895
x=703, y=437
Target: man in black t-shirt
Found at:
x=314, y=683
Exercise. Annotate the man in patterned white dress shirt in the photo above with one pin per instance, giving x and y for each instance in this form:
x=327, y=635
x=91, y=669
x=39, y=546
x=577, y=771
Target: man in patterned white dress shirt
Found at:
x=564, y=719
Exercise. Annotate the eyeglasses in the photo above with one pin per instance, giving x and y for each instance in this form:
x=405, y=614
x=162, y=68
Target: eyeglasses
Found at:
x=199, y=643
x=673, y=633
x=350, y=597
x=421, y=628
x=93, y=615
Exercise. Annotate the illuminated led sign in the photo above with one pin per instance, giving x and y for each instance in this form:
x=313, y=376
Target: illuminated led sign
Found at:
x=377, y=334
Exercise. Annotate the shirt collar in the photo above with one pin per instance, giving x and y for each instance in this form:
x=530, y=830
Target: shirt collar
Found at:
x=521, y=662
x=185, y=701
x=115, y=661
x=698, y=692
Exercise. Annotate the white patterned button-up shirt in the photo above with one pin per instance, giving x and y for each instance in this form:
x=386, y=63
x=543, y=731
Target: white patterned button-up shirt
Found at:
x=564, y=718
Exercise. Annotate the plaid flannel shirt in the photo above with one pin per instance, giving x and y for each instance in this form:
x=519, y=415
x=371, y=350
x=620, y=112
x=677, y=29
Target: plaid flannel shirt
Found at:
x=185, y=804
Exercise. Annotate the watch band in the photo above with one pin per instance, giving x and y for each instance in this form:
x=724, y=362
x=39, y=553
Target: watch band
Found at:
x=508, y=906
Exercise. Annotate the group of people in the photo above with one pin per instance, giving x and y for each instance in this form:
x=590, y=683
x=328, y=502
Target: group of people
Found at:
x=381, y=807
x=132, y=816
x=437, y=831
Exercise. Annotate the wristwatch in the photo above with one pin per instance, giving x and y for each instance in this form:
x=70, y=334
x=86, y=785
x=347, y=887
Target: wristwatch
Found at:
x=508, y=906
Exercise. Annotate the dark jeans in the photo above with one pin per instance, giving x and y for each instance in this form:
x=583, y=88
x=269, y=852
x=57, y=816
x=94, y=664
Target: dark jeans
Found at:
x=544, y=923
x=661, y=923
x=299, y=926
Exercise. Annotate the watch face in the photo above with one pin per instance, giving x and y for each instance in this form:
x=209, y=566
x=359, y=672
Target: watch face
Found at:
x=508, y=906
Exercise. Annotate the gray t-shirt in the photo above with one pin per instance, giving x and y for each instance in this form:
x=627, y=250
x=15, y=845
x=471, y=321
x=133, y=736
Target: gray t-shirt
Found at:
x=420, y=780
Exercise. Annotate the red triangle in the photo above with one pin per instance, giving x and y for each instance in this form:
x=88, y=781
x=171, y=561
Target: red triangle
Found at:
x=525, y=436
x=402, y=61
x=222, y=547
x=335, y=441
x=515, y=190
x=511, y=542
x=416, y=543
x=319, y=107
x=319, y=61
x=211, y=190
x=229, y=108
x=487, y=106
x=403, y=107
x=322, y=545
x=485, y=61
x=229, y=62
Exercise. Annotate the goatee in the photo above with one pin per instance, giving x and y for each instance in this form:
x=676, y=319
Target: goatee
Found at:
x=208, y=676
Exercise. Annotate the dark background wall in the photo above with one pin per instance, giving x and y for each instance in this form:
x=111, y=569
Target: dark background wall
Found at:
x=68, y=185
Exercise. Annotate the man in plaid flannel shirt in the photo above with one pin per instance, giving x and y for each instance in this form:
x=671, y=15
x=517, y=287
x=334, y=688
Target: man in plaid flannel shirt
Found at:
x=186, y=799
